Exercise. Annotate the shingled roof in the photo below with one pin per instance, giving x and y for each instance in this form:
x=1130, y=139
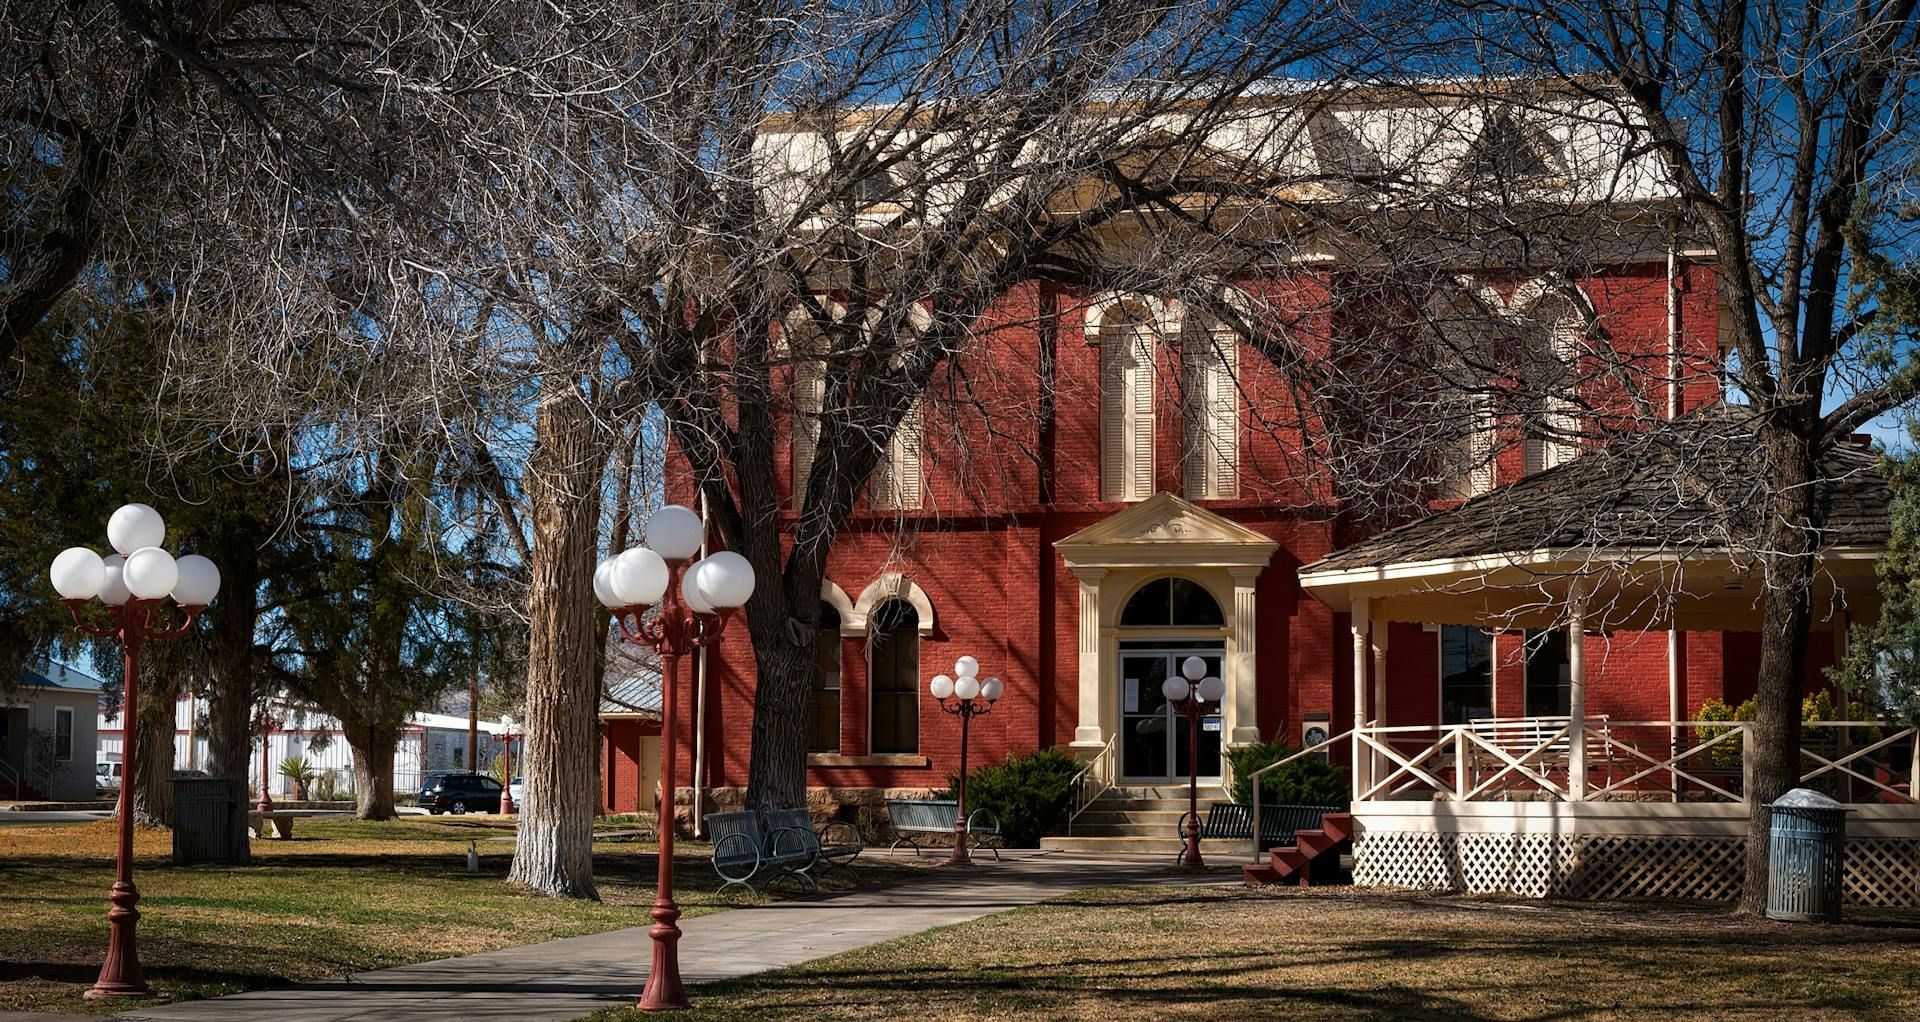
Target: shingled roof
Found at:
x=1689, y=486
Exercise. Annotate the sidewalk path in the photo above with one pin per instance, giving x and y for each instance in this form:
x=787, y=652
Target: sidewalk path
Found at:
x=574, y=976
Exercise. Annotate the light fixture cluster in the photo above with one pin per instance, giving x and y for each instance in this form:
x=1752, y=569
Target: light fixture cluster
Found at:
x=140, y=570
x=638, y=577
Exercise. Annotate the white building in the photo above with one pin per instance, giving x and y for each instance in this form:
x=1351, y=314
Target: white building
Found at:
x=44, y=734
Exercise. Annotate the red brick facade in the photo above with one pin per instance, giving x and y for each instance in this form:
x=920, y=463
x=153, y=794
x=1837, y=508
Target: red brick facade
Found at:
x=982, y=552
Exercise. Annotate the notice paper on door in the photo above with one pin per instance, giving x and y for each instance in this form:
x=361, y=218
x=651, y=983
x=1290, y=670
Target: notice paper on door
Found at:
x=1133, y=695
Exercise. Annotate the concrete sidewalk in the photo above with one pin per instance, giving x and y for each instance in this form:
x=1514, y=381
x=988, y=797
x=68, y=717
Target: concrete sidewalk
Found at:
x=564, y=979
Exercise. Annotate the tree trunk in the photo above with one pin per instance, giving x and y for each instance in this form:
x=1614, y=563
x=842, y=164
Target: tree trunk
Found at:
x=230, y=751
x=373, y=749
x=1789, y=536
x=153, y=775
x=777, y=774
x=555, y=850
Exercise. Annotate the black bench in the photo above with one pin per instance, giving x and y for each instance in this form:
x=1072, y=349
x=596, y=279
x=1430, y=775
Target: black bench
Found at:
x=742, y=848
x=908, y=817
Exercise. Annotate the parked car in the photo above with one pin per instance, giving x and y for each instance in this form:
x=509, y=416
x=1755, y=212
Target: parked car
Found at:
x=106, y=778
x=459, y=793
x=516, y=790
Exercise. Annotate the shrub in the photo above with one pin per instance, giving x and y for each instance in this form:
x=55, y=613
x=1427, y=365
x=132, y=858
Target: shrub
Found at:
x=1816, y=707
x=1032, y=794
x=300, y=772
x=1307, y=781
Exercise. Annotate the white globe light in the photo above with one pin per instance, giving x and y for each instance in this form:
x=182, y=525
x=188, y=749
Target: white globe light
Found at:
x=78, y=574
x=690, y=593
x=967, y=687
x=639, y=577
x=1193, y=668
x=726, y=579
x=1175, y=689
x=1211, y=689
x=134, y=527
x=150, y=573
x=966, y=667
x=992, y=689
x=674, y=532
x=113, y=591
x=199, y=581
x=603, y=584
x=941, y=686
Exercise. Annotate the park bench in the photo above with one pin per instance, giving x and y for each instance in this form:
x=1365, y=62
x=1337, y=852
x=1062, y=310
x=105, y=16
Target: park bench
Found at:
x=834, y=845
x=931, y=816
x=1233, y=821
x=743, y=847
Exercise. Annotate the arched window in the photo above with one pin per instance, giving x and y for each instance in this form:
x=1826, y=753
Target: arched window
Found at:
x=1166, y=602
x=1126, y=335
x=1463, y=333
x=823, y=704
x=1210, y=410
x=893, y=651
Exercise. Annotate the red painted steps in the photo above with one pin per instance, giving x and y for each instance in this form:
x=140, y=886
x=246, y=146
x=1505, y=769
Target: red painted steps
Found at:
x=1295, y=860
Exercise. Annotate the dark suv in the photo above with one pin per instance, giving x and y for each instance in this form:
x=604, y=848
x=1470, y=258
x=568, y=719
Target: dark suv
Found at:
x=459, y=793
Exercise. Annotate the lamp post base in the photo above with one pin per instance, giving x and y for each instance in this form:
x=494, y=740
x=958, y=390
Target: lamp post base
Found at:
x=664, y=991
x=960, y=857
x=120, y=974
x=1190, y=857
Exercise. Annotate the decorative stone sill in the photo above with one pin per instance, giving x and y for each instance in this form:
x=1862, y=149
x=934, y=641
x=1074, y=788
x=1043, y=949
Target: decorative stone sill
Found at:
x=829, y=759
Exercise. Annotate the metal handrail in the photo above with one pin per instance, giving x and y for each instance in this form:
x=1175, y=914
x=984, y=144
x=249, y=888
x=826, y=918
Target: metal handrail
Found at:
x=1081, y=800
x=14, y=776
x=1253, y=779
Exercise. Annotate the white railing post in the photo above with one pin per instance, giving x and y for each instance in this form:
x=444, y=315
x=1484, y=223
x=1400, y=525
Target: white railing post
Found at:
x=1362, y=775
x=1576, y=695
x=1746, y=763
x=1460, y=764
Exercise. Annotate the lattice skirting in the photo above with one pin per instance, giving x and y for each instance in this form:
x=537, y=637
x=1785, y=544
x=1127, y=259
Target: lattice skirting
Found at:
x=1881, y=872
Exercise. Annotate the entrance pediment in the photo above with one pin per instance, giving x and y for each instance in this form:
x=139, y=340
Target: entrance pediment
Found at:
x=1164, y=529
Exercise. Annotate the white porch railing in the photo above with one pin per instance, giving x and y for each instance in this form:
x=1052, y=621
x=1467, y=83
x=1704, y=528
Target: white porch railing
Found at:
x=1092, y=781
x=1856, y=762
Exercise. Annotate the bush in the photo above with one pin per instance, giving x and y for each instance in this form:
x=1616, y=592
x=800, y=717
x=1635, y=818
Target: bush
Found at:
x=1032, y=794
x=1307, y=781
x=1814, y=708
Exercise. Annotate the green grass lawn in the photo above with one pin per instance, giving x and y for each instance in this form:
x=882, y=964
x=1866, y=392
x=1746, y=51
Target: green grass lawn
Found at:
x=341, y=897
x=1119, y=955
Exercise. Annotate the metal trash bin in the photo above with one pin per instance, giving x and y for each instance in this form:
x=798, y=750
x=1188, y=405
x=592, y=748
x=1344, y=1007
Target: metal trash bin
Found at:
x=1806, y=857
x=202, y=819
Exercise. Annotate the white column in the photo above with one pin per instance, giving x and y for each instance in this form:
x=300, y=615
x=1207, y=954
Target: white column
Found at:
x=1243, y=680
x=1090, y=735
x=1361, y=775
x=1576, y=695
x=1380, y=630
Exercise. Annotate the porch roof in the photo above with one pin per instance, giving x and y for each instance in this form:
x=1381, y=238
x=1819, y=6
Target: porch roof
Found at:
x=1646, y=527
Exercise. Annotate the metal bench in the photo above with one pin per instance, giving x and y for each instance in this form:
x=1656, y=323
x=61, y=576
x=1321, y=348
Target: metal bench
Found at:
x=742, y=848
x=1234, y=821
x=834, y=845
x=908, y=817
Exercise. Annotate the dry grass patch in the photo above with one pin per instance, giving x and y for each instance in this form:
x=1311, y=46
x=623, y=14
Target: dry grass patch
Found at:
x=1338, y=954
x=341, y=897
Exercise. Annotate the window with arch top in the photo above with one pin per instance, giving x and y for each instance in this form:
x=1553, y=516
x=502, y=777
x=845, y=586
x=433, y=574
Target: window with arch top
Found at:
x=823, y=703
x=893, y=656
x=1169, y=602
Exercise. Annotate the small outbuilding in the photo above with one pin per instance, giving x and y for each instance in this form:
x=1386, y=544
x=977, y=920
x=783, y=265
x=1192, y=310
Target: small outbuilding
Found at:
x=47, y=734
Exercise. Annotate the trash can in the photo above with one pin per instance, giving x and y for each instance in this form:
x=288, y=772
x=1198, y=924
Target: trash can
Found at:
x=1806, y=857
x=202, y=819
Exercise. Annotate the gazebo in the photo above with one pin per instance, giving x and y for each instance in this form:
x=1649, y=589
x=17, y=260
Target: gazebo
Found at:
x=1639, y=537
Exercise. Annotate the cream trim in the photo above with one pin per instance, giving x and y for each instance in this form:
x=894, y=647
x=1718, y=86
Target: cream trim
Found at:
x=895, y=586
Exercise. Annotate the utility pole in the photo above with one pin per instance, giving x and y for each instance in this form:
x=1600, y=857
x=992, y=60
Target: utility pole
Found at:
x=473, y=710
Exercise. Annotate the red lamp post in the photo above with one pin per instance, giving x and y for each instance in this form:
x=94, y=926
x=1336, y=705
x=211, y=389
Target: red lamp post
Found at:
x=1193, y=696
x=132, y=585
x=694, y=602
x=265, y=804
x=507, y=735
x=966, y=697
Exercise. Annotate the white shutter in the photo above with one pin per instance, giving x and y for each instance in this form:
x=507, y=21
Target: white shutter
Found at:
x=1480, y=447
x=1113, y=419
x=1223, y=413
x=1139, y=389
x=809, y=395
x=906, y=460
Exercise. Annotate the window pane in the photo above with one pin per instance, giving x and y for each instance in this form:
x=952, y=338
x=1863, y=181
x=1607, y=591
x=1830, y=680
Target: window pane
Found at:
x=1193, y=605
x=823, y=723
x=896, y=678
x=1549, y=678
x=1466, y=674
x=1152, y=605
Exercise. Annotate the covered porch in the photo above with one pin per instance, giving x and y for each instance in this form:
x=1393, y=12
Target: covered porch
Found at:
x=1573, y=796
